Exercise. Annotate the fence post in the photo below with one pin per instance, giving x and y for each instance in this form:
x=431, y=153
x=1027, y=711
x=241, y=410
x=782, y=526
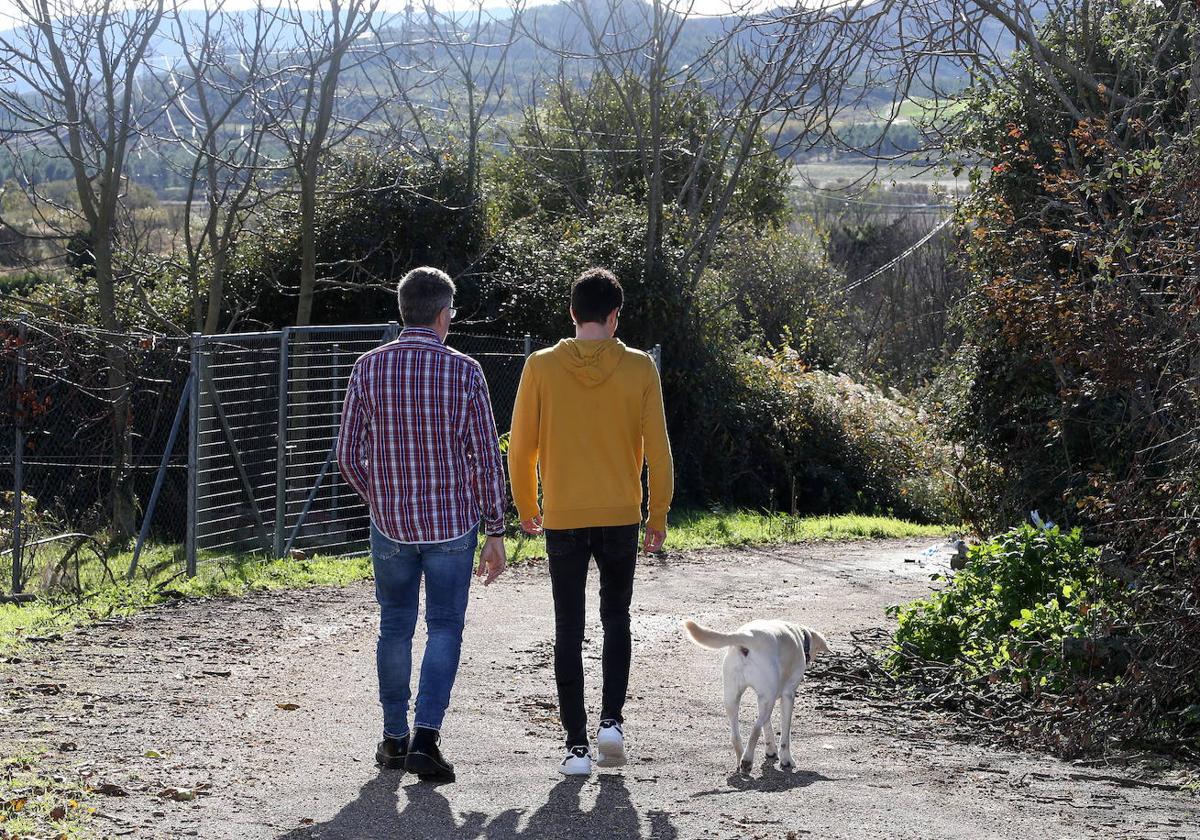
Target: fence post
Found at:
x=19, y=460
x=281, y=444
x=148, y=517
x=393, y=330
x=193, y=458
x=528, y=345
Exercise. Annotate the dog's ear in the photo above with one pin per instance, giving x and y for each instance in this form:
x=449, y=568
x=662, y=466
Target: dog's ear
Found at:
x=819, y=645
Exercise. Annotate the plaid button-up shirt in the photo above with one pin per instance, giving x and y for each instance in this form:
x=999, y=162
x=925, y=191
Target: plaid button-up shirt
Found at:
x=418, y=441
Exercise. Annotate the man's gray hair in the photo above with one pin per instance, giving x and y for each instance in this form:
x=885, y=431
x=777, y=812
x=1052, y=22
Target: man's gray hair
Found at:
x=423, y=293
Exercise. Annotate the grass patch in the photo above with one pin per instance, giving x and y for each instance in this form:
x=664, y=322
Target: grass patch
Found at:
x=700, y=529
x=34, y=804
x=694, y=529
x=159, y=577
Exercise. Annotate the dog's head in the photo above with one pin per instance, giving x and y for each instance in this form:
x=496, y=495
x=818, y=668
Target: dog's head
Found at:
x=816, y=644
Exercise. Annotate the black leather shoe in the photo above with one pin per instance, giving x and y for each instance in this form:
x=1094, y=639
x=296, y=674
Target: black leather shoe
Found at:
x=425, y=759
x=391, y=752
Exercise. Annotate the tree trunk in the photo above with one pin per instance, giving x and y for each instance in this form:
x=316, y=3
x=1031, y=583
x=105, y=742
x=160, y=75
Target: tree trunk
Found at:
x=124, y=505
x=654, y=197
x=308, y=246
x=216, y=292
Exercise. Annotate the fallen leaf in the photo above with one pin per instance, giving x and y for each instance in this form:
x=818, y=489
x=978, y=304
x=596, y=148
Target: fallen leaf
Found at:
x=178, y=794
x=288, y=707
x=58, y=813
x=151, y=754
x=109, y=789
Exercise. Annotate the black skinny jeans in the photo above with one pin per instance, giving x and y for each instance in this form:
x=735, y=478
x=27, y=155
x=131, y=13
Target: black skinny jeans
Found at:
x=615, y=550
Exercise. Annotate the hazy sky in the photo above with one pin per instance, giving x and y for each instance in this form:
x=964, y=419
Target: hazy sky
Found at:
x=705, y=7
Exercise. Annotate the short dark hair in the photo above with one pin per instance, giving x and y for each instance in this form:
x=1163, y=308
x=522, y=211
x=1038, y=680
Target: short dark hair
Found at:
x=595, y=294
x=423, y=293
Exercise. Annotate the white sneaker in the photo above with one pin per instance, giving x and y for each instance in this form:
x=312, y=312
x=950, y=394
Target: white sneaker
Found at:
x=578, y=762
x=610, y=744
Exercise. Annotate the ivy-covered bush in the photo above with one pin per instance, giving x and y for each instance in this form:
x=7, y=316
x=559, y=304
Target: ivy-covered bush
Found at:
x=750, y=426
x=1007, y=612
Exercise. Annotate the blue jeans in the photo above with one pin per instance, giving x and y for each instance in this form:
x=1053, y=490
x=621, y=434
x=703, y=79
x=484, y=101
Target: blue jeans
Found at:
x=446, y=567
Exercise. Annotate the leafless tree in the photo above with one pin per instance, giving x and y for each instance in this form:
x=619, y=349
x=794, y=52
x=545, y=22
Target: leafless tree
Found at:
x=220, y=125
x=317, y=103
x=470, y=49
x=787, y=76
x=73, y=91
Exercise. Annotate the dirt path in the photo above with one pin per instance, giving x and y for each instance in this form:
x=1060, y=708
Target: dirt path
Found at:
x=201, y=683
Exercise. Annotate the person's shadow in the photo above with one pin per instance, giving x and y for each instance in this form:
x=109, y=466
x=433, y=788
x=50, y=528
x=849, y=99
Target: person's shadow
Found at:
x=375, y=814
x=613, y=816
x=428, y=815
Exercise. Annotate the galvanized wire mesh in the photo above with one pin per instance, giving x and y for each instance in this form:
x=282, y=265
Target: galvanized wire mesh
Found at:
x=236, y=416
x=321, y=511
x=269, y=411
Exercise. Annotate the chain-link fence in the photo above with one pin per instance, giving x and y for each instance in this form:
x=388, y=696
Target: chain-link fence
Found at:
x=84, y=420
x=220, y=444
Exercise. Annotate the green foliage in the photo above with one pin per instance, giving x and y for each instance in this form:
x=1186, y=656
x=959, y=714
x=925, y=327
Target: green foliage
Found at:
x=784, y=289
x=592, y=143
x=762, y=431
x=20, y=283
x=819, y=442
x=378, y=216
x=1008, y=611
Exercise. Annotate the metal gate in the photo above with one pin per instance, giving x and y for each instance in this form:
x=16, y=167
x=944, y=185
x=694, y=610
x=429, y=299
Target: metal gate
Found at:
x=265, y=417
x=265, y=414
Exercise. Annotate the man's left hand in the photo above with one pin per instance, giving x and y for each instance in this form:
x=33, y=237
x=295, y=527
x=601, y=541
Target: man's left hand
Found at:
x=492, y=560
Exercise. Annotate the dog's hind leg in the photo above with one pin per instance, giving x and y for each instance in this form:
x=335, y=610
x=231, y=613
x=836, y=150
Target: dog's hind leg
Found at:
x=769, y=734
x=766, y=705
x=786, y=705
x=733, y=701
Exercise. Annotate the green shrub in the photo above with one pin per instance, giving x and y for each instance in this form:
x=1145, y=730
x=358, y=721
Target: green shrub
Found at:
x=1006, y=614
x=823, y=443
x=379, y=215
x=784, y=289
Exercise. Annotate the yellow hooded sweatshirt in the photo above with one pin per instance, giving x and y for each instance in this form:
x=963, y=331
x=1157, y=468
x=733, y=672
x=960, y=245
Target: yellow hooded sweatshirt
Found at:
x=587, y=413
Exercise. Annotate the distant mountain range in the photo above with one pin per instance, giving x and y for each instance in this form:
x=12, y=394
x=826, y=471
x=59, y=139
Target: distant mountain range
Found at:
x=555, y=26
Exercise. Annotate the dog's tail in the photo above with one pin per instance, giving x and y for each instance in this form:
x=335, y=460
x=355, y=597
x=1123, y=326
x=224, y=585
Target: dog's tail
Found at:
x=714, y=638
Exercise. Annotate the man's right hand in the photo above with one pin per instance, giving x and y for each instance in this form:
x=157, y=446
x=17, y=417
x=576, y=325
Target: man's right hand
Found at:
x=492, y=560
x=654, y=540
x=533, y=526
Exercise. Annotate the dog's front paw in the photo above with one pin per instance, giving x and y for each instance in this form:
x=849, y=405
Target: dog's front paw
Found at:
x=787, y=764
x=771, y=756
x=745, y=765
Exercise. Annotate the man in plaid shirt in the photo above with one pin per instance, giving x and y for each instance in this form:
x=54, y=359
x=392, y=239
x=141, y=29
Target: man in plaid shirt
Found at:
x=418, y=442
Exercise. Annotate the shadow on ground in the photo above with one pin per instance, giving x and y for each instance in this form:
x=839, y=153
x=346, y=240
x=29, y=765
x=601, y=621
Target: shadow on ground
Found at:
x=772, y=780
x=427, y=814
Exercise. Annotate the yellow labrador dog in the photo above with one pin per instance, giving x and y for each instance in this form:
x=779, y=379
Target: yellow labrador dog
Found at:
x=770, y=657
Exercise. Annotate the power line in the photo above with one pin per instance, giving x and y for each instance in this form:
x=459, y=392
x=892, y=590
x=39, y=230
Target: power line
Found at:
x=912, y=249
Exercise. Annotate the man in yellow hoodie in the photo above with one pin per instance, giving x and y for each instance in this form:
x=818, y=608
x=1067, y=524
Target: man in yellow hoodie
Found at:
x=589, y=413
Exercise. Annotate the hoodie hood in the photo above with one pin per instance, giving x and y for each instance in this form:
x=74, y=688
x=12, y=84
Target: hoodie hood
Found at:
x=590, y=361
